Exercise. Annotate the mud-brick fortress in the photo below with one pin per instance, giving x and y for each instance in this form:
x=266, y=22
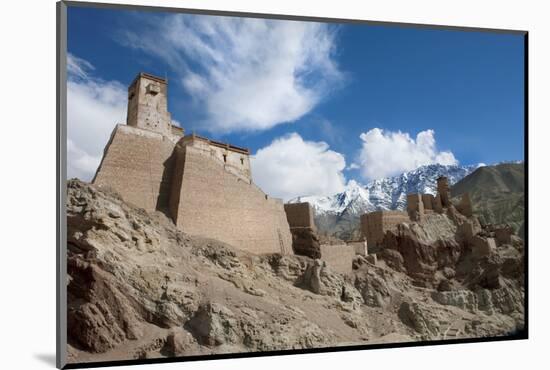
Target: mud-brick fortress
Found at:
x=205, y=186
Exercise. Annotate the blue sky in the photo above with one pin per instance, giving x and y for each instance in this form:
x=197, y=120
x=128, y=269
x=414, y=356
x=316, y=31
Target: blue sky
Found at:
x=355, y=102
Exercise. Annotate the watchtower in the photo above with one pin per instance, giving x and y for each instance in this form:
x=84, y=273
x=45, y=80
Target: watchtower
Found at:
x=147, y=104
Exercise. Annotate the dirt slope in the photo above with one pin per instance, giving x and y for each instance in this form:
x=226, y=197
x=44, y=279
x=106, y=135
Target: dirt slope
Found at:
x=140, y=288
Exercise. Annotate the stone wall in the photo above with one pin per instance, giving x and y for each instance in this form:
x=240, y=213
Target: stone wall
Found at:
x=359, y=247
x=482, y=247
x=207, y=200
x=415, y=206
x=443, y=191
x=428, y=200
x=338, y=257
x=299, y=215
x=138, y=165
x=375, y=224
x=437, y=206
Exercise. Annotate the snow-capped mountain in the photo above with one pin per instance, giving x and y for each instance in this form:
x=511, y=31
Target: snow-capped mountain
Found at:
x=341, y=211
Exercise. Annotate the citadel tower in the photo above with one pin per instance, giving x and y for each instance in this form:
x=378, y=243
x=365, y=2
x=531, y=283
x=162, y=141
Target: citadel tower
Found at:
x=204, y=186
x=147, y=104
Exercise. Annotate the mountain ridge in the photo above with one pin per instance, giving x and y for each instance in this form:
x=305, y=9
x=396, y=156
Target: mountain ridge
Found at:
x=339, y=214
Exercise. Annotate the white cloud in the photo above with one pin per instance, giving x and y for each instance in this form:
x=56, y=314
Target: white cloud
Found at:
x=290, y=167
x=245, y=74
x=94, y=107
x=77, y=67
x=388, y=153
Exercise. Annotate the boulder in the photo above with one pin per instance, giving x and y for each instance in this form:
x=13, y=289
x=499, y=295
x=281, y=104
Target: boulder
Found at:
x=503, y=235
x=422, y=318
x=305, y=242
x=177, y=342
x=482, y=246
x=214, y=324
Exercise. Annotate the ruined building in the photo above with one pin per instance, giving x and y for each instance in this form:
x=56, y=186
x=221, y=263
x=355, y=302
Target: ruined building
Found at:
x=305, y=240
x=443, y=191
x=300, y=215
x=205, y=186
x=375, y=224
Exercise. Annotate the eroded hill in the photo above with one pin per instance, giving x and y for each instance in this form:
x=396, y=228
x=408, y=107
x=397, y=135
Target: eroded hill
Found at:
x=497, y=193
x=140, y=288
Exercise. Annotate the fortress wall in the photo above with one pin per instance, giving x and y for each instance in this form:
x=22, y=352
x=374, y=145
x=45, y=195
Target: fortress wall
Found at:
x=234, y=160
x=443, y=191
x=359, y=247
x=137, y=164
x=428, y=200
x=177, y=179
x=299, y=215
x=217, y=204
x=338, y=257
x=415, y=206
x=375, y=224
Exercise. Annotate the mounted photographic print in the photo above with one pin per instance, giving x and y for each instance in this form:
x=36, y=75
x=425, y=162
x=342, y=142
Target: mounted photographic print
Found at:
x=236, y=184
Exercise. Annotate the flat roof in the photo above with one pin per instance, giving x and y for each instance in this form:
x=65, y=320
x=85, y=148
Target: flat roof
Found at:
x=149, y=77
x=219, y=144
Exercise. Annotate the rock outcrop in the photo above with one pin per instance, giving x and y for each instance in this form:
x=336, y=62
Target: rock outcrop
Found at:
x=305, y=242
x=140, y=288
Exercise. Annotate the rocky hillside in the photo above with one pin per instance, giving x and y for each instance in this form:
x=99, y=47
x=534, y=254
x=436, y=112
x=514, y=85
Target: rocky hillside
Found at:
x=497, y=193
x=339, y=214
x=139, y=288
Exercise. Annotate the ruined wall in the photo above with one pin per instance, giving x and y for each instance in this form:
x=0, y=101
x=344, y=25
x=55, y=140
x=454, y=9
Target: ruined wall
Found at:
x=359, y=247
x=299, y=215
x=138, y=165
x=338, y=257
x=415, y=206
x=482, y=247
x=443, y=191
x=437, y=206
x=375, y=224
x=208, y=200
x=428, y=200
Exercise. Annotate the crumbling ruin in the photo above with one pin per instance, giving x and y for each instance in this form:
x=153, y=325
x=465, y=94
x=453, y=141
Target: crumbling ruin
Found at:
x=305, y=240
x=374, y=225
x=443, y=191
x=203, y=185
